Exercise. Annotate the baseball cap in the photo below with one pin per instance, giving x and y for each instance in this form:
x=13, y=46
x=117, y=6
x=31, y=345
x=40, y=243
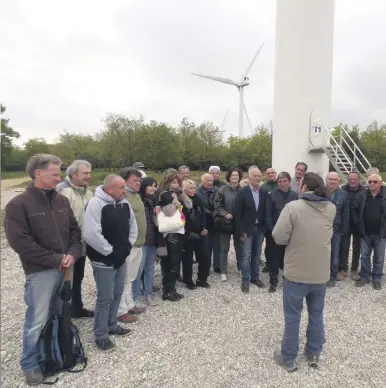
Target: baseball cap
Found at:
x=139, y=165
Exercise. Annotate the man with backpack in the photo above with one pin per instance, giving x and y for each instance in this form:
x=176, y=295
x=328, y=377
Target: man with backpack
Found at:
x=41, y=227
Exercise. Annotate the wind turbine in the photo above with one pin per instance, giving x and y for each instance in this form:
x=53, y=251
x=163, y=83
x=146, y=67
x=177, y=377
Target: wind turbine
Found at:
x=240, y=86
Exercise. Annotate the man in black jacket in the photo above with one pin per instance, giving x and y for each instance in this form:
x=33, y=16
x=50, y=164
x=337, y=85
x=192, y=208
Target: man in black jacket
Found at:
x=276, y=201
x=353, y=189
x=207, y=193
x=250, y=226
x=341, y=223
x=369, y=213
x=109, y=230
x=215, y=172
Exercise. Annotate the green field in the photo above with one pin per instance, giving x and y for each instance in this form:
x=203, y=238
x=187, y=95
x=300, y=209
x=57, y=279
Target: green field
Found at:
x=99, y=174
x=13, y=174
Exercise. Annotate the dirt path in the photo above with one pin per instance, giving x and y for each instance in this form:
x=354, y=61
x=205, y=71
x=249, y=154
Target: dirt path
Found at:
x=9, y=189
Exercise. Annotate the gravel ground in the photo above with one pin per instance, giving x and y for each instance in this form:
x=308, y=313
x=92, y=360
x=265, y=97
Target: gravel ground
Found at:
x=8, y=189
x=213, y=338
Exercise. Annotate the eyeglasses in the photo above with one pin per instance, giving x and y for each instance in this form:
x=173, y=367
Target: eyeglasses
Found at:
x=372, y=182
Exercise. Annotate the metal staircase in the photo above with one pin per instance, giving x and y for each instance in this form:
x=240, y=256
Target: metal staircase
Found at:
x=344, y=154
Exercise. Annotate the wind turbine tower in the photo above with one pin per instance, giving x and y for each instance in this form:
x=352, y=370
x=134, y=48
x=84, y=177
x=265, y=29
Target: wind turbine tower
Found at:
x=240, y=86
x=303, y=81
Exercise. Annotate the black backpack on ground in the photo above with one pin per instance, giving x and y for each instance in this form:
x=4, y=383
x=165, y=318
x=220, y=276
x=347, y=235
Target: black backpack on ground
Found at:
x=60, y=348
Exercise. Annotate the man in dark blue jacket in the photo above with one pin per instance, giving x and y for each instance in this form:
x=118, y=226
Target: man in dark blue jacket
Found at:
x=353, y=189
x=276, y=202
x=250, y=226
x=341, y=222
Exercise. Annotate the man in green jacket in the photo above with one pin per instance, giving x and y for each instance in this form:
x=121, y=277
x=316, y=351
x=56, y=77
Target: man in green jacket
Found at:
x=271, y=183
x=127, y=308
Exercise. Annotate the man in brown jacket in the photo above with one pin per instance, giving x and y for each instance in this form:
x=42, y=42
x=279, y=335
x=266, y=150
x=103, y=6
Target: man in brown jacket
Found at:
x=41, y=227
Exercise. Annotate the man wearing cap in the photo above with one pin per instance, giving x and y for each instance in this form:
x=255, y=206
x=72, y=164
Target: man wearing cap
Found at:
x=141, y=168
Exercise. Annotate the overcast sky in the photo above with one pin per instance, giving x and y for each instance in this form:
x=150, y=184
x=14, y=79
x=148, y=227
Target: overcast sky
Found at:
x=64, y=65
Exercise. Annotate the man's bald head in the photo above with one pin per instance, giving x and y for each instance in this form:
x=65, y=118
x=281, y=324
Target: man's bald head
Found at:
x=375, y=177
x=375, y=182
x=270, y=174
x=333, y=174
x=114, y=185
x=332, y=181
x=207, y=181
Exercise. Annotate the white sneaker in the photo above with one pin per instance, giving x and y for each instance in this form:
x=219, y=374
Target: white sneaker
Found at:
x=150, y=300
x=138, y=302
x=223, y=277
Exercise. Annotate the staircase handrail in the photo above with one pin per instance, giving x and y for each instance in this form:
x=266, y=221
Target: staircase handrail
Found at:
x=356, y=148
x=342, y=151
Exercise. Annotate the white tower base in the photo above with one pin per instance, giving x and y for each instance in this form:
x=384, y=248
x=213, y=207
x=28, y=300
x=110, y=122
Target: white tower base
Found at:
x=303, y=81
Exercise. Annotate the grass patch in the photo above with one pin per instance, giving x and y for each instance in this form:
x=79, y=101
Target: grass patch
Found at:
x=99, y=174
x=13, y=174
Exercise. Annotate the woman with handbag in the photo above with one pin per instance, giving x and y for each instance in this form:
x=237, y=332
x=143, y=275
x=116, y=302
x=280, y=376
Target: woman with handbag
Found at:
x=195, y=229
x=172, y=203
x=224, y=219
x=149, y=250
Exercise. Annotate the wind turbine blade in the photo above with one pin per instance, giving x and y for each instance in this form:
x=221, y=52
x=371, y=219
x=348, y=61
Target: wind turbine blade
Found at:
x=251, y=64
x=247, y=116
x=223, y=122
x=218, y=79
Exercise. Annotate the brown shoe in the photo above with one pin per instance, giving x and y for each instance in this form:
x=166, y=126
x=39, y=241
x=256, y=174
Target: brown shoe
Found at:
x=355, y=275
x=127, y=318
x=137, y=310
x=341, y=276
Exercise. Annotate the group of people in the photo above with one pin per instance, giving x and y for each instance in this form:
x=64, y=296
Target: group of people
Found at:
x=307, y=225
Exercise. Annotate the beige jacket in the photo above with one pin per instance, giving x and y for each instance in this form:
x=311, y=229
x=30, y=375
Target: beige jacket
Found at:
x=305, y=226
x=78, y=197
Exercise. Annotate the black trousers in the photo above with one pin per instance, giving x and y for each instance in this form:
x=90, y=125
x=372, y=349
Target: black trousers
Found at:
x=269, y=248
x=78, y=275
x=212, y=241
x=345, y=243
x=199, y=248
x=275, y=258
x=170, y=264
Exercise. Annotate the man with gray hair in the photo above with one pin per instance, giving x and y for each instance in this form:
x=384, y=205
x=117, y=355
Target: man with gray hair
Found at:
x=41, y=228
x=184, y=172
x=141, y=168
x=250, y=206
x=207, y=192
x=75, y=188
x=371, y=171
x=215, y=172
x=110, y=230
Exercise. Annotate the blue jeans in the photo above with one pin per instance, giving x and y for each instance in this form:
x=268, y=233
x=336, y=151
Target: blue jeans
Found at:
x=335, y=254
x=109, y=283
x=368, y=244
x=251, y=252
x=149, y=253
x=293, y=295
x=42, y=297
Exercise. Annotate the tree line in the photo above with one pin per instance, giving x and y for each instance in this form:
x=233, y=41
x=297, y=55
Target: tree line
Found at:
x=125, y=140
